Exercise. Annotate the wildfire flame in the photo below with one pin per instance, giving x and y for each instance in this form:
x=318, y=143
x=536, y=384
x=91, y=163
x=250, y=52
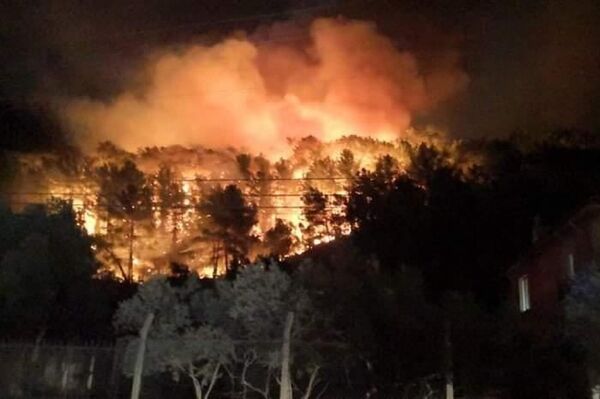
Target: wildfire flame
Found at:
x=250, y=93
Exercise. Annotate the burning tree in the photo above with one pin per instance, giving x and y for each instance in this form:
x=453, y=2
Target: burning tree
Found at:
x=227, y=220
x=257, y=172
x=278, y=240
x=171, y=199
x=347, y=166
x=317, y=216
x=167, y=195
x=125, y=194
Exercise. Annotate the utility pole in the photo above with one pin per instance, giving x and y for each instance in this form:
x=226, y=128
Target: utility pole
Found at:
x=139, y=360
x=286, y=380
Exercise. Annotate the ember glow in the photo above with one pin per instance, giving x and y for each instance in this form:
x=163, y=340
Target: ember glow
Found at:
x=170, y=233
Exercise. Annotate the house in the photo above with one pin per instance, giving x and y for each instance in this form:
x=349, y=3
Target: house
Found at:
x=539, y=280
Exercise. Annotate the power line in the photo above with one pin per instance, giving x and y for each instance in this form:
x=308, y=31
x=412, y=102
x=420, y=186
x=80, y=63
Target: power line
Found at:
x=249, y=179
x=79, y=194
x=157, y=206
x=201, y=180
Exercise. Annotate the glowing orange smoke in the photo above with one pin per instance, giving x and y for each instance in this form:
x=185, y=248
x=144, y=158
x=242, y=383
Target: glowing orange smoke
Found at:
x=346, y=78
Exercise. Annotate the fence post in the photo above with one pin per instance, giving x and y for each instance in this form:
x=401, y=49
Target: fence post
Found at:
x=66, y=370
x=90, y=379
x=116, y=369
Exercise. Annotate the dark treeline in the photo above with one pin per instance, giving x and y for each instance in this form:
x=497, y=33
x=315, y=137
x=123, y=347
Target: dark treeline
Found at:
x=426, y=261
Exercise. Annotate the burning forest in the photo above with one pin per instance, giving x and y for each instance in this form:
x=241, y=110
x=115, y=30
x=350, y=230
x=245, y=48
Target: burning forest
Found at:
x=239, y=149
x=206, y=208
x=299, y=199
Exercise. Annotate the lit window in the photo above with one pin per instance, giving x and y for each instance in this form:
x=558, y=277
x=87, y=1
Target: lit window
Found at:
x=524, y=304
x=571, y=266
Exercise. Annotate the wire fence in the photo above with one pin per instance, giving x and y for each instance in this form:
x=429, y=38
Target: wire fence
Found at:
x=58, y=371
x=46, y=371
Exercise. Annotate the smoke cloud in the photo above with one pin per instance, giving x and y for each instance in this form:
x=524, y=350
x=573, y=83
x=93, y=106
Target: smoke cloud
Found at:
x=340, y=77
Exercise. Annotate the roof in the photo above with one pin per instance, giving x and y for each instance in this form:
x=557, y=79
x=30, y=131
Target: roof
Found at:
x=575, y=221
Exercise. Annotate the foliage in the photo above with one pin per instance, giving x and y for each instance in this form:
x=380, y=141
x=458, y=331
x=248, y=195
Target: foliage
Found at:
x=261, y=299
x=171, y=198
x=279, y=239
x=46, y=275
x=317, y=215
x=124, y=191
x=126, y=195
x=582, y=306
x=176, y=343
x=200, y=331
x=390, y=216
x=347, y=166
x=228, y=221
x=425, y=160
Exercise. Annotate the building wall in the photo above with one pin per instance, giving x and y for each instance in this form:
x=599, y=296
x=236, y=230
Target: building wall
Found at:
x=547, y=268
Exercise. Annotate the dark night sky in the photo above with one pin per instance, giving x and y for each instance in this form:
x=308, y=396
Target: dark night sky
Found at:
x=533, y=65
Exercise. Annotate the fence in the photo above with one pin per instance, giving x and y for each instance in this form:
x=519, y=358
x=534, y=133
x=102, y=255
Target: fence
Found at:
x=58, y=371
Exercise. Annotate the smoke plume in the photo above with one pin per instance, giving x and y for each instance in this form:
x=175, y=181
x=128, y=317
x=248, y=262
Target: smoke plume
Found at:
x=256, y=92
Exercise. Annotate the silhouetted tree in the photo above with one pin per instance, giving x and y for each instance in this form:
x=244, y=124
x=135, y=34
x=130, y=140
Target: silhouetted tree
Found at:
x=47, y=277
x=262, y=188
x=125, y=194
x=227, y=220
x=317, y=215
x=390, y=216
x=425, y=160
x=583, y=316
x=171, y=199
x=347, y=165
x=278, y=239
x=283, y=169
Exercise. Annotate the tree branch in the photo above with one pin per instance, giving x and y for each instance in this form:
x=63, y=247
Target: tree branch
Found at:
x=311, y=383
x=322, y=391
x=213, y=380
x=265, y=394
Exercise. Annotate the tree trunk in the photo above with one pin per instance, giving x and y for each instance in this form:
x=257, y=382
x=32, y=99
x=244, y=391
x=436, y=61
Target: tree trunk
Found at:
x=139, y=360
x=448, y=375
x=311, y=383
x=268, y=382
x=130, y=264
x=213, y=380
x=174, y=235
x=225, y=257
x=286, y=381
x=215, y=260
x=197, y=386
